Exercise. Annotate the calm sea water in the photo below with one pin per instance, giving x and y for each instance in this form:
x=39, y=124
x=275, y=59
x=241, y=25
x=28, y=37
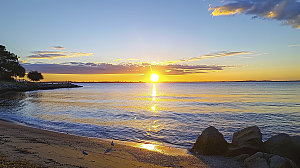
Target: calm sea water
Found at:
x=173, y=114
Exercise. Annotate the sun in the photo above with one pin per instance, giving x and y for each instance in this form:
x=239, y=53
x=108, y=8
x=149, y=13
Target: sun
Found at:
x=154, y=77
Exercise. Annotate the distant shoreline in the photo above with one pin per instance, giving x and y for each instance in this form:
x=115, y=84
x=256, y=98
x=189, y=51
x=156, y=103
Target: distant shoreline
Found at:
x=196, y=82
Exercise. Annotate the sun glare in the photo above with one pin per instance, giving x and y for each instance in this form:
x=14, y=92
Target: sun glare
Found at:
x=154, y=77
x=148, y=146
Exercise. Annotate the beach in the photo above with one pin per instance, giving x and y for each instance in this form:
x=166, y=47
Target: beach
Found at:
x=132, y=83
x=52, y=149
x=151, y=125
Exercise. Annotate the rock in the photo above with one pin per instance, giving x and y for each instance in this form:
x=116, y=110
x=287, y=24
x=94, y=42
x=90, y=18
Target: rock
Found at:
x=276, y=161
x=285, y=146
x=256, y=161
x=281, y=162
x=265, y=160
x=241, y=157
x=210, y=142
x=246, y=141
x=296, y=139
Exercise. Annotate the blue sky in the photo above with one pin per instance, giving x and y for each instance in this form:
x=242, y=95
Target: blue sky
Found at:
x=147, y=30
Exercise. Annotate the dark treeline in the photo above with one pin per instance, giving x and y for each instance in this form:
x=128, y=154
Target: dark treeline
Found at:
x=10, y=67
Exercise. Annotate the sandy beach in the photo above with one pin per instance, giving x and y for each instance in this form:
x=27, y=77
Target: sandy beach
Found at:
x=43, y=148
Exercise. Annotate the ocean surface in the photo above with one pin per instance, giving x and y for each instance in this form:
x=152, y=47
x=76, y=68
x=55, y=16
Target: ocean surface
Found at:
x=171, y=114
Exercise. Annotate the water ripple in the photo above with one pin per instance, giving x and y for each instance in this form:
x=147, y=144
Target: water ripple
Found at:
x=174, y=116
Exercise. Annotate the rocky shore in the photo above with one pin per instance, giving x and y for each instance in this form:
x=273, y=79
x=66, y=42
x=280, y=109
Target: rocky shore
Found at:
x=279, y=151
x=28, y=86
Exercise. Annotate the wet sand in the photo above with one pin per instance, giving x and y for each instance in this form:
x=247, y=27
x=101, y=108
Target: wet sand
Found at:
x=52, y=149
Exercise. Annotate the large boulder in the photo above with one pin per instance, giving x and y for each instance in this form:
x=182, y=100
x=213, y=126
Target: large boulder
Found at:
x=241, y=157
x=210, y=142
x=246, y=141
x=265, y=160
x=285, y=146
x=281, y=162
x=258, y=160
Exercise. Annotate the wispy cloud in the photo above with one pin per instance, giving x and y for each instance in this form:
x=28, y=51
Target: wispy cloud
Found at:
x=294, y=45
x=128, y=59
x=58, y=47
x=119, y=59
x=106, y=68
x=56, y=54
x=207, y=56
x=287, y=11
x=130, y=67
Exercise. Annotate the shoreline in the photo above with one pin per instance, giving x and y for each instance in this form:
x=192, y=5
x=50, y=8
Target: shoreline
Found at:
x=246, y=81
x=30, y=86
x=43, y=148
x=53, y=149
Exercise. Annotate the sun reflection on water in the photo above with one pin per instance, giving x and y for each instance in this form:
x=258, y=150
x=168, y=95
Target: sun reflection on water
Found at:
x=154, y=90
x=153, y=108
x=159, y=148
x=155, y=126
x=149, y=147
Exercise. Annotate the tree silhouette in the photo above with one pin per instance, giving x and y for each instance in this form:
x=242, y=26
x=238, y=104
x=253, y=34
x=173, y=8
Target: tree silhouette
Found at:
x=35, y=75
x=9, y=65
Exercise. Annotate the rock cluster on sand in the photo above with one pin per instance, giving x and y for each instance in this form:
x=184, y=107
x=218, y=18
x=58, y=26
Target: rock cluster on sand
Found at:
x=284, y=145
x=264, y=160
x=282, y=150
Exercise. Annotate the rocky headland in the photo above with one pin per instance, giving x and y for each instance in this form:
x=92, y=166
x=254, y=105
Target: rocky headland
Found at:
x=28, y=86
x=279, y=151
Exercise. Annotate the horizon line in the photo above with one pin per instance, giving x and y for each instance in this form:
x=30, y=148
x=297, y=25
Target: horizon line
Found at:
x=175, y=81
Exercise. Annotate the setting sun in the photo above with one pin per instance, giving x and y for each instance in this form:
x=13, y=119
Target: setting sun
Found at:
x=154, y=77
x=149, y=81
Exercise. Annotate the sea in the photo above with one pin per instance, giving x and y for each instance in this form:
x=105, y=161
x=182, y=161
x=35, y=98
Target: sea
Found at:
x=170, y=114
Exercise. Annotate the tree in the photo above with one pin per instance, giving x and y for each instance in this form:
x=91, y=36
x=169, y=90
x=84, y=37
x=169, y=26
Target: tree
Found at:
x=9, y=65
x=35, y=75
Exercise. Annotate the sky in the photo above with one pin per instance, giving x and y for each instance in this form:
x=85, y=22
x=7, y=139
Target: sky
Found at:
x=128, y=40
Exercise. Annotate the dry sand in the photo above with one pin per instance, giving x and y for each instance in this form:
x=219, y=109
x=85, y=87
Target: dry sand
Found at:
x=52, y=149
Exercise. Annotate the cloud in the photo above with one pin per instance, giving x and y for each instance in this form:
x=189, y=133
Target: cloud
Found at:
x=119, y=59
x=56, y=54
x=294, y=45
x=58, y=47
x=79, y=54
x=106, y=68
x=287, y=11
x=206, y=56
x=165, y=67
x=128, y=59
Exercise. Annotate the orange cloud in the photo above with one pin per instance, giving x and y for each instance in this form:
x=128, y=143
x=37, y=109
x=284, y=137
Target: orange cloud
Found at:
x=224, y=10
x=287, y=11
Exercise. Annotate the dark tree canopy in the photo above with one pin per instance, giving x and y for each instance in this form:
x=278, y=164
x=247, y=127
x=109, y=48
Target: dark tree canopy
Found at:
x=35, y=75
x=9, y=65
